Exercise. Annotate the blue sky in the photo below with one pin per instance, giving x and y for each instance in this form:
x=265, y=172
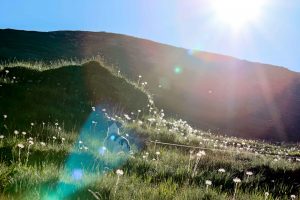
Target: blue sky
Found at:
x=273, y=38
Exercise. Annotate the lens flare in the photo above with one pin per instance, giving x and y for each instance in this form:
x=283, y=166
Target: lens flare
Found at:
x=89, y=159
x=177, y=69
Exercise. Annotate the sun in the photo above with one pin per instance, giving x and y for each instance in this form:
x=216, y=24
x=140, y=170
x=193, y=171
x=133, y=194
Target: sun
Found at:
x=238, y=13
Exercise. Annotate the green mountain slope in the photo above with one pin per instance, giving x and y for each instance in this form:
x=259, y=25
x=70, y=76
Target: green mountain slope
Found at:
x=66, y=94
x=211, y=91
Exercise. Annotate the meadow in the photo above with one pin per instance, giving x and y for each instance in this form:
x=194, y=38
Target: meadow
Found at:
x=54, y=118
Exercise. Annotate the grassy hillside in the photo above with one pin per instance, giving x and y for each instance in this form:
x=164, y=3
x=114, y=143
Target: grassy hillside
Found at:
x=54, y=122
x=37, y=96
x=211, y=91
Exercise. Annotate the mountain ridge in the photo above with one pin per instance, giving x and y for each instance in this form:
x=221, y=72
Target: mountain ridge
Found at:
x=211, y=91
x=153, y=41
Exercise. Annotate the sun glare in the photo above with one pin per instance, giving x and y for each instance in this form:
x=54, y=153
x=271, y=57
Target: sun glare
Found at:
x=238, y=13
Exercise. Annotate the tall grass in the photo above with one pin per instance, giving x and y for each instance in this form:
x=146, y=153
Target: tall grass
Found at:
x=153, y=170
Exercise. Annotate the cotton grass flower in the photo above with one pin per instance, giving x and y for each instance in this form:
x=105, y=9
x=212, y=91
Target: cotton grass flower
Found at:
x=293, y=196
x=27, y=157
x=199, y=155
x=221, y=170
x=127, y=117
x=157, y=154
x=42, y=143
x=1, y=138
x=139, y=79
x=266, y=195
x=21, y=146
x=119, y=173
x=190, y=159
x=236, y=180
x=248, y=173
x=208, y=183
x=53, y=140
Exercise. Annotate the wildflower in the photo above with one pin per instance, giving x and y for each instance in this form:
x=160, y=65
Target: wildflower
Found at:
x=151, y=120
x=16, y=132
x=1, y=136
x=127, y=117
x=266, y=195
x=31, y=124
x=293, y=196
x=236, y=180
x=104, y=110
x=198, y=155
x=27, y=157
x=221, y=170
x=248, y=173
x=21, y=146
x=23, y=133
x=139, y=111
x=157, y=153
x=4, y=116
x=54, y=138
x=119, y=173
x=191, y=155
x=43, y=143
x=80, y=142
x=208, y=183
x=93, y=109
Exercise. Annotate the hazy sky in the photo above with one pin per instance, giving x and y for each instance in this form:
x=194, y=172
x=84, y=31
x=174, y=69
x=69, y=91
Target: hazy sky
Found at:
x=273, y=36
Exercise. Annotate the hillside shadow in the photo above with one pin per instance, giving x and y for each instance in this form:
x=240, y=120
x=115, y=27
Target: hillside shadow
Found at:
x=65, y=94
